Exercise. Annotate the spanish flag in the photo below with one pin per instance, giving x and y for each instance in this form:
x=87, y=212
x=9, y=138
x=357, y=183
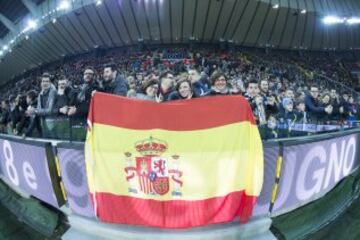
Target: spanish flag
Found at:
x=179, y=164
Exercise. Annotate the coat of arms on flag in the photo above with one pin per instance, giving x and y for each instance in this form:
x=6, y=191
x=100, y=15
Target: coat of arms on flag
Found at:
x=153, y=172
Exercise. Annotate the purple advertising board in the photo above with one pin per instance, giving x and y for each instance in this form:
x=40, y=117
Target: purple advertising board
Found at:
x=30, y=166
x=312, y=169
x=73, y=174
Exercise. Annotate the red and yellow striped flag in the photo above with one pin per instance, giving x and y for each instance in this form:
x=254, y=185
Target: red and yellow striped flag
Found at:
x=173, y=165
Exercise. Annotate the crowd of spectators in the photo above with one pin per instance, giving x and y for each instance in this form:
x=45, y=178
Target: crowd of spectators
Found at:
x=284, y=89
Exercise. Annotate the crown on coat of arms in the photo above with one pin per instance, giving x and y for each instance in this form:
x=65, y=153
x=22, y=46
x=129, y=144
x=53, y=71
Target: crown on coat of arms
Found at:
x=151, y=146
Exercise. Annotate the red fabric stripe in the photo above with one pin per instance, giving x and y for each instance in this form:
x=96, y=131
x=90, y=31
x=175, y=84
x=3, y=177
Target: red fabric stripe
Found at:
x=174, y=213
x=182, y=115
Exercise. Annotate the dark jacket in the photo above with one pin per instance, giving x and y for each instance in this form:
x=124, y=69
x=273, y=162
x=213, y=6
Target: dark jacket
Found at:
x=302, y=117
x=201, y=87
x=213, y=92
x=165, y=95
x=287, y=117
x=175, y=95
x=267, y=133
x=313, y=108
x=83, y=99
x=67, y=99
x=325, y=117
x=118, y=86
x=335, y=115
x=4, y=116
x=252, y=103
x=15, y=116
x=30, y=123
x=347, y=109
x=286, y=122
x=271, y=110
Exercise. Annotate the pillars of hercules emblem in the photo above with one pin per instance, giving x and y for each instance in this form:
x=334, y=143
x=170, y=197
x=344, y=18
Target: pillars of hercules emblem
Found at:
x=130, y=173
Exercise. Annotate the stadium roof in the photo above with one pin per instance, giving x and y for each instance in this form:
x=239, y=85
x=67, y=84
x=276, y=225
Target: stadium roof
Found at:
x=82, y=25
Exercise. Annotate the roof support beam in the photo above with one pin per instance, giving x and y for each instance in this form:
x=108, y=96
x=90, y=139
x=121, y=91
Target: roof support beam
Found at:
x=8, y=23
x=31, y=6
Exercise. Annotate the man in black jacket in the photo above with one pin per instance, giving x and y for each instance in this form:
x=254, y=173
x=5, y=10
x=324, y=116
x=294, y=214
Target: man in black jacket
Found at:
x=64, y=98
x=83, y=98
x=113, y=82
x=337, y=108
x=30, y=123
x=15, y=113
x=312, y=105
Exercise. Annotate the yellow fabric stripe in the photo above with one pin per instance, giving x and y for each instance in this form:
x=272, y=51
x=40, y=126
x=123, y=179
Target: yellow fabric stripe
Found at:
x=231, y=160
